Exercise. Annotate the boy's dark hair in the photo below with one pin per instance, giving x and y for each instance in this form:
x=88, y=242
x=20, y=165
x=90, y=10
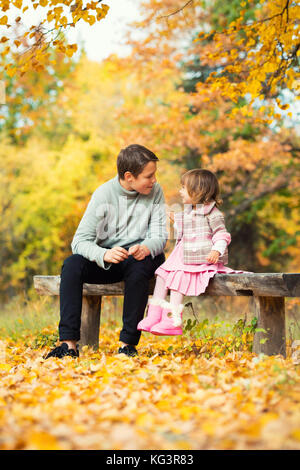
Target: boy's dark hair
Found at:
x=134, y=158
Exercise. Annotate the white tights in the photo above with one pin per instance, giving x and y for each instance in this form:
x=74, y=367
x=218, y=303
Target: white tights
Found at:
x=160, y=292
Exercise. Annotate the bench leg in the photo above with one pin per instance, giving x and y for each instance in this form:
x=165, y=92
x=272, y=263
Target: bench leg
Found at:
x=90, y=321
x=271, y=317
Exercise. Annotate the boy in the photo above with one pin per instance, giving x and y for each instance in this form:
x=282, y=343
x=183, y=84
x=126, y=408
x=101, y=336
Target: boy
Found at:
x=121, y=237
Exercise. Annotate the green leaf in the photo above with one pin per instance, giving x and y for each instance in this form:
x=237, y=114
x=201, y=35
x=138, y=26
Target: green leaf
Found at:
x=257, y=330
x=263, y=340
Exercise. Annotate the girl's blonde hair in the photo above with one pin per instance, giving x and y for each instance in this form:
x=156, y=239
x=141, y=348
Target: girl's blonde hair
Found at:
x=202, y=186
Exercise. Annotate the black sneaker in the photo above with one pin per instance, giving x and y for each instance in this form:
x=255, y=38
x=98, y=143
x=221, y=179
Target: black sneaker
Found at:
x=129, y=350
x=63, y=350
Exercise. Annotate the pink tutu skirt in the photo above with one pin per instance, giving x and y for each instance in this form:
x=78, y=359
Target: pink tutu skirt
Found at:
x=189, y=279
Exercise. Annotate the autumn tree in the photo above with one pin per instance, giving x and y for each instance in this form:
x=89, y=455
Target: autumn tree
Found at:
x=251, y=48
x=30, y=47
x=259, y=55
x=33, y=102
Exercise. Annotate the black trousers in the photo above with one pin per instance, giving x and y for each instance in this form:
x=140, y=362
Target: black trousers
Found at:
x=77, y=270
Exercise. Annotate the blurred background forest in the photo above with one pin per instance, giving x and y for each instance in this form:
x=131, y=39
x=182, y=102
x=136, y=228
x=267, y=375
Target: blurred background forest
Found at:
x=62, y=128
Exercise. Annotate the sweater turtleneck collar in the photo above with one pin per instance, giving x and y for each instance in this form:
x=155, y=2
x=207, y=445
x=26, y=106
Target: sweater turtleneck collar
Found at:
x=122, y=191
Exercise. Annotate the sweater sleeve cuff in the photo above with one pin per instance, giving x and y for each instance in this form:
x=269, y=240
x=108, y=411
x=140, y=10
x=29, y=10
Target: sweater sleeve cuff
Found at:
x=103, y=264
x=152, y=245
x=220, y=246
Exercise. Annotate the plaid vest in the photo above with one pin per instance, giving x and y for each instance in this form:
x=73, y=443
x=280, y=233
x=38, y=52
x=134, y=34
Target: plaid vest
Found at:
x=200, y=229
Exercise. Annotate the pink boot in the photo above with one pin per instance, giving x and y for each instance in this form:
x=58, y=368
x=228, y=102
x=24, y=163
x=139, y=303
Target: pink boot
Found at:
x=153, y=314
x=171, y=320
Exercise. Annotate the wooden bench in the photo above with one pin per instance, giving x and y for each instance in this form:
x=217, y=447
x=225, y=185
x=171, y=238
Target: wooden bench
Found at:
x=267, y=289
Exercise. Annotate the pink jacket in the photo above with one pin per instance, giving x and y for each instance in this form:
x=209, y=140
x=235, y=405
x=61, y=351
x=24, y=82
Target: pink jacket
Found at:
x=200, y=229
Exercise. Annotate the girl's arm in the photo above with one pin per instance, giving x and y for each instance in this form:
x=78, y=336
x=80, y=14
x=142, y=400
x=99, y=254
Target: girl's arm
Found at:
x=217, y=223
x=220, y=236
x=220, y=246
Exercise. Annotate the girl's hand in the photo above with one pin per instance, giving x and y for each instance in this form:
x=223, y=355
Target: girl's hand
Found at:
x=213, y=257
x=171, y=216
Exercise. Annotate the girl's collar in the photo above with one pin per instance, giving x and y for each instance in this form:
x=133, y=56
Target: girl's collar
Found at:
x=201, y=209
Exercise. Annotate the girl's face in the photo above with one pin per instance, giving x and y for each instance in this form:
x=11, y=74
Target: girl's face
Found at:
x=186, y=198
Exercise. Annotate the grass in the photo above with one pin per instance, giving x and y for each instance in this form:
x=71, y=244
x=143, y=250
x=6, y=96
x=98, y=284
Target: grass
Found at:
x=21, y=317
x=35, y=321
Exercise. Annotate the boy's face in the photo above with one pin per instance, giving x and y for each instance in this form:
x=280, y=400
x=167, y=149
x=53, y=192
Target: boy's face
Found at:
x=144, y=182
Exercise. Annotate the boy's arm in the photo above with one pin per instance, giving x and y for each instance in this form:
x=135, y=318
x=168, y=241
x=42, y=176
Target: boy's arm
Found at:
x=157, y=234
x=83, y=242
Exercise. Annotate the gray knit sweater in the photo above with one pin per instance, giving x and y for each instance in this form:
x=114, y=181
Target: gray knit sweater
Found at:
x=117, y=217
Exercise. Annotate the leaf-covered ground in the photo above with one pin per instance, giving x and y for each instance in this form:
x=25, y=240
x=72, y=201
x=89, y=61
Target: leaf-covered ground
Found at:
x=176, y=394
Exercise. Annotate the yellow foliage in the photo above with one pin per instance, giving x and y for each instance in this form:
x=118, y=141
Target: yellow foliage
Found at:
x=37, y=197
x=63, y=16
x=270, y=66
x=256, y=52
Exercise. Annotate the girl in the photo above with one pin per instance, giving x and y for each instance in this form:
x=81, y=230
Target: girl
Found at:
x=200, y=252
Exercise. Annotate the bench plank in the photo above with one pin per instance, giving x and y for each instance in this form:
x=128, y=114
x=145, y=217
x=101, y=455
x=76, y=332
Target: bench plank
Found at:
x=49, y=285
x=252, y=284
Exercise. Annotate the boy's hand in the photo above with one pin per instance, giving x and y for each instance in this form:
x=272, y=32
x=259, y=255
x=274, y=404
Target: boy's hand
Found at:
x=139, y=252
x=213, y=257
x=115, y=255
